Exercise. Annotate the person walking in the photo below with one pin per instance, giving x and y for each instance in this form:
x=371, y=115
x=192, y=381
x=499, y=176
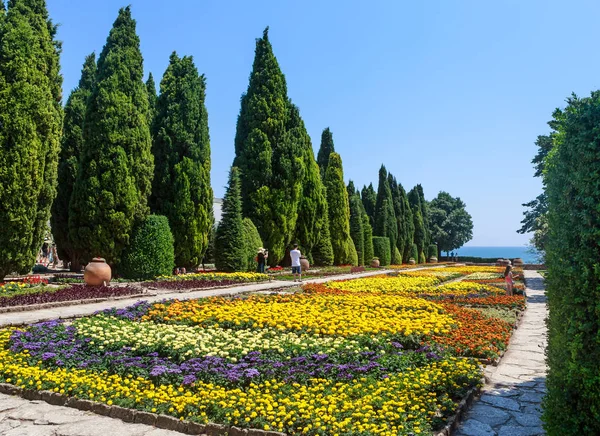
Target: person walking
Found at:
x=296, y=268
x=508, y=276
x=261, y=259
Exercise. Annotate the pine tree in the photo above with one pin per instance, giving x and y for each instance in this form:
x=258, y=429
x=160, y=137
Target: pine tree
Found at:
x=152, y=100
x=312, y=211
x=72, y=144
x=344, y=251
x=30, y=130
x=356, y=227
x=369, y=200
x=230, y=252
x=181, y=186
x=385, y=217
x=268, y=158
x=325, y=151
x=116, y=165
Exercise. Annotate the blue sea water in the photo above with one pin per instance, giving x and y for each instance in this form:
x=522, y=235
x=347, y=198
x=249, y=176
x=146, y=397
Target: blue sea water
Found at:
x=526, y=253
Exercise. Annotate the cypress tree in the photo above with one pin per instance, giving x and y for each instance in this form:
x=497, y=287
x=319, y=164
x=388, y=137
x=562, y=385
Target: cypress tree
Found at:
x=419, y=235
x=312, y=211
x=323, y=250
x=181, y=186
x=344, y=251
x=325, y=151
x=397, y=203
x=385, y=217
x=30, y=129
x=72, y=144
x=426, y=220
x=112, y=188
x=367, y=239
x=268, y=159
x=152, y=100
x=369, y=200
x=408, y=224
x=230, y=252
x=356, y=228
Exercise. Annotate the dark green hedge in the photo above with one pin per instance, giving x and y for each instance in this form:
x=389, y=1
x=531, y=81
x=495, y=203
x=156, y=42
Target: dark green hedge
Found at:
x=382, y=250
x=150, y=252
x=572, y=182
x=414, y=253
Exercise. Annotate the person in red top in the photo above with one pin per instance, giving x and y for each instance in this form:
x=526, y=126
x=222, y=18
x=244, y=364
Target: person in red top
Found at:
x=508, y=276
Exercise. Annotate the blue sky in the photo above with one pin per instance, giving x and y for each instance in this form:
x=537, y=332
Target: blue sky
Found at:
x=447, y=94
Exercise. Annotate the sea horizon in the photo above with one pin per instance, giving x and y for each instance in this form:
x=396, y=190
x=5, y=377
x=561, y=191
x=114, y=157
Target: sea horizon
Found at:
x=527, y=253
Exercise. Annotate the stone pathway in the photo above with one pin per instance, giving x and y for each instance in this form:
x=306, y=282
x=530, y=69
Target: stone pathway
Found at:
x=28, y=317
x=510, y=403
x=19, y=417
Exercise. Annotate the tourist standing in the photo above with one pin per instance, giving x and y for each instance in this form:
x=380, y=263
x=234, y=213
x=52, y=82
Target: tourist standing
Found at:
x=508, y=276
x=261, y=259
x=296, y=268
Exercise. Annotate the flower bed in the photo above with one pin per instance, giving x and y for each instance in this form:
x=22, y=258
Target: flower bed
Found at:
x=46, y=294
x=389, y=355
x=205, y=280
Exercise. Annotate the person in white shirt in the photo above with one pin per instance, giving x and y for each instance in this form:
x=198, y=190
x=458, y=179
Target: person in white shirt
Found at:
x=296, y=268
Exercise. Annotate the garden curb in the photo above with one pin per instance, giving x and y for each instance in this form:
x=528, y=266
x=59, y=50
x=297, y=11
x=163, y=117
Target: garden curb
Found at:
x=164, y=422
x=463, y=406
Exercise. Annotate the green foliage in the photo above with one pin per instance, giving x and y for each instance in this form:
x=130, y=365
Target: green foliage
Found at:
x=420, y=234
x=230, y=252
x=356, y=228
x=425, y=214
x=268, y=156
x=181, y=186
x=344, y=251
x=150, y=252
x=252, y=243
x=382, y=250
x=30, y=129
x=451, y=224
x=152, y=100
x=71, y=146
x=396, y=256
x=112, y=188
x=312, y=210
x=422, y=258
x=209, y=254
x=325, y=150
x=414, y=253
x=367, y=239
x=432, y=251
x=385, y=216
x=572, y=184
x=407, y=225
x=369, y=200
x=323, y=251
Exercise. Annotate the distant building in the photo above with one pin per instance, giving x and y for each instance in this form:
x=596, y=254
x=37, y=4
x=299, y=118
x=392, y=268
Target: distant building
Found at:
x=217, y=206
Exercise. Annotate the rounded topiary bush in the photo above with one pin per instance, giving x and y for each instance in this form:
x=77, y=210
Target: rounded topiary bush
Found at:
x=382, y=249
x=252, y=243
x=396, y=256
x=150, y=252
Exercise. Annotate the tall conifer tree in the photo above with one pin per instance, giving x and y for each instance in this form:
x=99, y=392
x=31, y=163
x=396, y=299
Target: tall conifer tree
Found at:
x=357, y=232
x=181, y=186
x=325, y=150
x=30, y=129
x=385, y=217
x=397, y=202
x=269, y=159
x=312, y=211
x=112, y=188
x=323, y=251
x=152, y=100
x=369, y=200
x=230, y=250
x=344, y=251
x=425, y=213
x=72, y=144
x=407, y=223
x=415, y=206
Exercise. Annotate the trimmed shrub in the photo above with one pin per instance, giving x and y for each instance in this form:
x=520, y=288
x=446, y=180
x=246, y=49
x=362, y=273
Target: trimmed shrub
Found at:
x=432, y=252
x=396, y=256
x=252, y=243
x=414, y=253
x=422, y=258
x=382, y=249
x=150, y=253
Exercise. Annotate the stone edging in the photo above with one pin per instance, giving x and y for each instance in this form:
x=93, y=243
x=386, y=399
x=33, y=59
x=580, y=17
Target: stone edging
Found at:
x=463, y=406
x=165, y=422
x=41, y=306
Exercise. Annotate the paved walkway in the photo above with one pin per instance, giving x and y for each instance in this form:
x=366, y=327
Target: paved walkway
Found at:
x=28, y=317
x=19, y=417
x=510, y=401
